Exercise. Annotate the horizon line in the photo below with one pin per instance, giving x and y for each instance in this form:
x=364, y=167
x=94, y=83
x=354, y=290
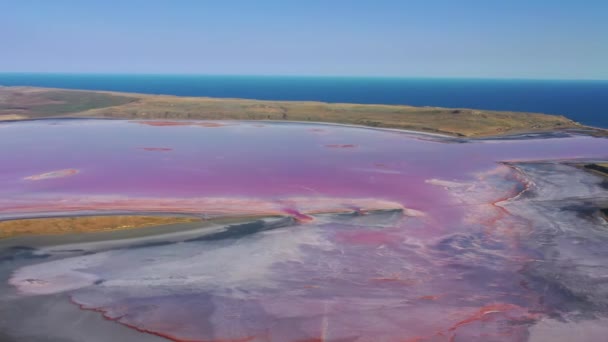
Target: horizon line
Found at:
x=69, y=73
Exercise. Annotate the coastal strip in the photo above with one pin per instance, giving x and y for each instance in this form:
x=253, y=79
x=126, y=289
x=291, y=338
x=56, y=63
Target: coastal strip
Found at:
x=84, y=224
x=20, y=103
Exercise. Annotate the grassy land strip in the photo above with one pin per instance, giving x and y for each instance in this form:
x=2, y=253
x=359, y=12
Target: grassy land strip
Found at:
x=83, y=224
x=41, y=102
x=37, y=103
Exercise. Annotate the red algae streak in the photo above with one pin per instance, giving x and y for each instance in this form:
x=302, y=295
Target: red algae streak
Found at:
x=493, y=313
x=298, y=216
x=52, y=174
x=482, y=314
x=429, y=251
x=156, y=332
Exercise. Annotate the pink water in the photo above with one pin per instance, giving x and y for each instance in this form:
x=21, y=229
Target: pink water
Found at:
x=446, y=267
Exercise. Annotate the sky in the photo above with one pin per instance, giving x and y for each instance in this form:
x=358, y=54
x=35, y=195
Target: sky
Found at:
x=546, y=39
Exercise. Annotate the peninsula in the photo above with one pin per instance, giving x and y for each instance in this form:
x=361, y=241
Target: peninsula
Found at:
x=18, y=103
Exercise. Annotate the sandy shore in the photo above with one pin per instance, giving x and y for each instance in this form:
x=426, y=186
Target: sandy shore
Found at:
x=84, y=224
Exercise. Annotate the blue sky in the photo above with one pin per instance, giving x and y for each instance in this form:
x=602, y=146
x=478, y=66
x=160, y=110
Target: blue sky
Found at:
x=427, y=38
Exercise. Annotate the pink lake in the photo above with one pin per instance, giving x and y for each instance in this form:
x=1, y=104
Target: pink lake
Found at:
x=363, y=234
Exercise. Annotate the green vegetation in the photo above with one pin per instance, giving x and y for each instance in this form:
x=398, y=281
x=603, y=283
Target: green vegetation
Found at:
x=34, y=104
x=73, y=102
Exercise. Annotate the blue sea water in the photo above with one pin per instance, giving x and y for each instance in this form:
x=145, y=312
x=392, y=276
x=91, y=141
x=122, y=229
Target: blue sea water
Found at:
x=582, y=101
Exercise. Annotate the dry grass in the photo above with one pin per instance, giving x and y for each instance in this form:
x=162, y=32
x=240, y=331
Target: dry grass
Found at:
x=83, y=224
x=38, y=102
x=5, y=117
x=459, y=122
x=456, y=122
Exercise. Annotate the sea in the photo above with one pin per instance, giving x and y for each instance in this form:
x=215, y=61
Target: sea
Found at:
x=585, y=101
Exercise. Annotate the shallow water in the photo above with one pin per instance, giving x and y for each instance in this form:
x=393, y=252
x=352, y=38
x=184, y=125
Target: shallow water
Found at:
x=385, y=235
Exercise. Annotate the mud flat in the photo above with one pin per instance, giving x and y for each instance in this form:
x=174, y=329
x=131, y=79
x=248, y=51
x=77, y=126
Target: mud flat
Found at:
x=52, y=318
x=569, y=235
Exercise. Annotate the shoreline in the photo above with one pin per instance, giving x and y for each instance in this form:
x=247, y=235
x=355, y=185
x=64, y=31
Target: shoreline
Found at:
x=32, y=103
x=83, y=224
x=582, y=130
x=99, y=240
